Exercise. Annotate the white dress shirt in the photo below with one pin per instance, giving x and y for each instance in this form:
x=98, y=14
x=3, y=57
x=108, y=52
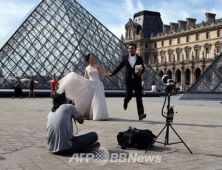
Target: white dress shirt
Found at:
x=132, y=60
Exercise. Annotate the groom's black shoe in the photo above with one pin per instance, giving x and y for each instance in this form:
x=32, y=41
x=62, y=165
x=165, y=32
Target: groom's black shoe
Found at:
x=125, y=105
x=141, y=117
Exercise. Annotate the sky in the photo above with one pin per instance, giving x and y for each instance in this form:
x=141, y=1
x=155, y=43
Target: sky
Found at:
x=114, y=14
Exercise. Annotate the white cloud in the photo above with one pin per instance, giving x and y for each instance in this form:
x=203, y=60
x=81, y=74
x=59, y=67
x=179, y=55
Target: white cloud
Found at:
x=113, y=15
x=129, y=5
x=140, y=6
x=117, y=29
x=172, y=11
x=116, y=13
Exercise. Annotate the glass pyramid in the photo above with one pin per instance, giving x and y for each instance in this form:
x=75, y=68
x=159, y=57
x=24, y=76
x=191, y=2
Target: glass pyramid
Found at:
x=209, y=84
x=54, y=38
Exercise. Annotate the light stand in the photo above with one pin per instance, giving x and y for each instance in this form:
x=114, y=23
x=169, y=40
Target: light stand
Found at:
x=169, y=119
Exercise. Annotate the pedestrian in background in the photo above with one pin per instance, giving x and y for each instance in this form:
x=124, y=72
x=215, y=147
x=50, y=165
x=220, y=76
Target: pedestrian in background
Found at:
x=31, y=87
x=53, y=86
x=17, y=88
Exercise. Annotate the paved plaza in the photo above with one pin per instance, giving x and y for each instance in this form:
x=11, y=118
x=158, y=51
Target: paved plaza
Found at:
x=23, y=143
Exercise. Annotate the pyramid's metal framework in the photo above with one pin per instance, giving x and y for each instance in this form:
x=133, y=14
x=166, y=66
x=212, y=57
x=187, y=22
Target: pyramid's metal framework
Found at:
x=209, y=84
x=54, y=38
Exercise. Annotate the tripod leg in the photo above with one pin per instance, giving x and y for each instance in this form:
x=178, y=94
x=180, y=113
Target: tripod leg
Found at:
x=167, y=135
x=155, y=139
x=181, y=139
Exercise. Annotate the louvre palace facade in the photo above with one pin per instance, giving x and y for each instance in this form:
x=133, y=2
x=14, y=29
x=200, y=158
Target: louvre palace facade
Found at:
x=182, y=50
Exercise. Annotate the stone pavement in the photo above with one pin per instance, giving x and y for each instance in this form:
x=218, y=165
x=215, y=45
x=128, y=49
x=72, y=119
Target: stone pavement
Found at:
x=23, y=143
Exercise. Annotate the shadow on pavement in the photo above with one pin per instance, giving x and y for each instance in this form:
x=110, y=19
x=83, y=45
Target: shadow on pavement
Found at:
x=2, y=158
x=153, y=148
x=163, y=123
x=159, y=148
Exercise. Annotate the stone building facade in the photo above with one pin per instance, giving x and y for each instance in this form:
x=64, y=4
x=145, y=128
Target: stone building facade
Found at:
x=182, y=50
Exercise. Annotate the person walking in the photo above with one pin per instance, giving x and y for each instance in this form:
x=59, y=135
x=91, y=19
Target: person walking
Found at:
x=132, y=78
x=31, y=87
x=17, y=88
x=53, y=85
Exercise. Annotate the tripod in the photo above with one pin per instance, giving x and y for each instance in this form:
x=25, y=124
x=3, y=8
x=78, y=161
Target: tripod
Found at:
x=169, y=119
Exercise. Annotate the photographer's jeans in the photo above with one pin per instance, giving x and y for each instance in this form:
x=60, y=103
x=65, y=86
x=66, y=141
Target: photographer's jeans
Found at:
x=80, y=143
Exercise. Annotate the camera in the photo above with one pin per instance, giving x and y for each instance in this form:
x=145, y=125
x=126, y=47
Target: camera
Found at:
x=169, y=83
x=70, y=101
x=168, y=88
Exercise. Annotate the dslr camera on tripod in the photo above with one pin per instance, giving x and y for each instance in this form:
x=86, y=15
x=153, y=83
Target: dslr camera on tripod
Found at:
x=170, y=113
x=169, y=83
x=169, y=86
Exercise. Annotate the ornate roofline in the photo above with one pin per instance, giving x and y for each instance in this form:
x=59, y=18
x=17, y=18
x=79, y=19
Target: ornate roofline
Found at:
x=180, y=32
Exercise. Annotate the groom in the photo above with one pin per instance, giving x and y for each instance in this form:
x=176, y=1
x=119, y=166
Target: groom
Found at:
x=132, y=79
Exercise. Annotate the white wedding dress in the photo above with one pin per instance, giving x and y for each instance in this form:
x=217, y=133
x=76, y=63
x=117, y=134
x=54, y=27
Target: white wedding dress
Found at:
x=88, y=94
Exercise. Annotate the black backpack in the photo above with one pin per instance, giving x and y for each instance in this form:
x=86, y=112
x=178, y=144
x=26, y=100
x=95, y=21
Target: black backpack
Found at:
x=135, y=138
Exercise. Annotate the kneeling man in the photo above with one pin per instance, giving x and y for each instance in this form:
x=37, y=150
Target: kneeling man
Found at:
x=60, y=128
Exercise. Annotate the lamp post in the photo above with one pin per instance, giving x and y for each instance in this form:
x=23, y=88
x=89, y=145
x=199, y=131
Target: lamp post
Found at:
x=173, y=66
x=182, y=73
x=192, y=67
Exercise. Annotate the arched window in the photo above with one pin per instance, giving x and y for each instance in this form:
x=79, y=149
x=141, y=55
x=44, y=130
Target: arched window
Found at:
x=155, y=59
x=178, y=40
x=207, y=35
x=162, y=58
x=147, y=59
x=197, y=53
x=188, y=38
x=218, y=49
x=178, y=56
x=197, y=36
x=218, y=33
x=130, y=32
x=187, y=54
x=170, y=57
x=208, y=52
x=155, y=45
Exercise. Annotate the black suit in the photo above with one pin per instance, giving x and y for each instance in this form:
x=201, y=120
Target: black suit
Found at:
x=133, y=81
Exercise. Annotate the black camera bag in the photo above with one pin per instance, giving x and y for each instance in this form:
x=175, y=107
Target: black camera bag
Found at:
x=135, y=138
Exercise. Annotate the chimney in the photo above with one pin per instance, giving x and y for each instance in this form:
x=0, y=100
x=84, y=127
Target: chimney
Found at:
x=166, y=28
x=191, y=22
x=182, y=24
x=173, y=26
x=210, y=17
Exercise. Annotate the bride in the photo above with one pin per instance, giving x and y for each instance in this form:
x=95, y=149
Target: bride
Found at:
x=88, y=94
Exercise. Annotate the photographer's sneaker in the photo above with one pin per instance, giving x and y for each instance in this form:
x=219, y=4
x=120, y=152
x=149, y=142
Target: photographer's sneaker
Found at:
x=141, y=117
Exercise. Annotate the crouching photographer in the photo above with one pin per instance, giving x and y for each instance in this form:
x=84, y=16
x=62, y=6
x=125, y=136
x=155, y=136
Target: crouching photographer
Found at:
x=60, y=136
